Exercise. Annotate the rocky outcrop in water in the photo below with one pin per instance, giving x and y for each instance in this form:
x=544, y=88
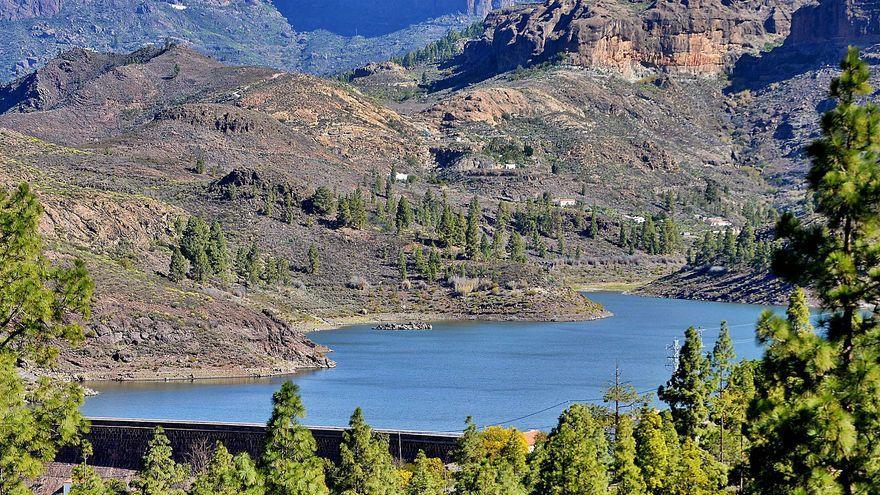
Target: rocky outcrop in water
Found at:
x=413, y=325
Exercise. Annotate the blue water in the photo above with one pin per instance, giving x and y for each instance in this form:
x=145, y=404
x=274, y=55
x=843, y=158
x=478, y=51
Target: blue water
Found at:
x=431, y=380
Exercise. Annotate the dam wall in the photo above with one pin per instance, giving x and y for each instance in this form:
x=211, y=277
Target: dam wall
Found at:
x=121, y=443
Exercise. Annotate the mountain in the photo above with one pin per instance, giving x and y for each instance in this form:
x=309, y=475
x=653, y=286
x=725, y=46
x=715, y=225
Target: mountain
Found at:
x=112, y=143
x=371, y=18
x=611, y=162
x=323, y=37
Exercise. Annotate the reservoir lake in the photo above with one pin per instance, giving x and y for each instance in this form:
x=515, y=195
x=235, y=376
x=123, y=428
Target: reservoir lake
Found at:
x=519, y=374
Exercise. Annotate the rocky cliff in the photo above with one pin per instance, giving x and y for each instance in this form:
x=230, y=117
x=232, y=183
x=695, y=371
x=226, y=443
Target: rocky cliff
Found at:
x=697, y=37
x=26, y=9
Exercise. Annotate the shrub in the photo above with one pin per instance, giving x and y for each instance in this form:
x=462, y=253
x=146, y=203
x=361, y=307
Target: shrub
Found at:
x=358, y=282
x=463, y=286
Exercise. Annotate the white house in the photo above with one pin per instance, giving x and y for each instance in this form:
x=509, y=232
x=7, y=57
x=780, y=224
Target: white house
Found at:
x=563, y=202
x=509, y=166
x=718, y=222
x=635, y=219
x=399, y=177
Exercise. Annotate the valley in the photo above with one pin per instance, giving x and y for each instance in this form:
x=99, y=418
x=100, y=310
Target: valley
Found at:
x=418, y=188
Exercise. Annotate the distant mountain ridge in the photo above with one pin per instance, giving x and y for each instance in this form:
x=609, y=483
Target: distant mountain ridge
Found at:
x=376, y=17
x=699, y=37
x=310, y=36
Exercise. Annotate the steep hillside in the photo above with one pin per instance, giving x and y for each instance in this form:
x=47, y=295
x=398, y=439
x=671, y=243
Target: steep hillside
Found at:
x=124, y=150
x=319, y=37
x=371, y=18
x=635, y=39
x=642, y=101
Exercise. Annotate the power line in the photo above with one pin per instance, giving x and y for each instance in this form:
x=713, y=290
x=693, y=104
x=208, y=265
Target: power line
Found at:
x=554, y=406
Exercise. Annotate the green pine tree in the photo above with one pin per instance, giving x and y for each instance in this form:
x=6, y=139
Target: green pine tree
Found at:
x=218, y=251
x=314, y=260
x=830, y=415
x=404, y=216
x=472, y=232
x=575, y=456
x=428, y=477
x=687, y=392
x=516, y=249
x=365, y=465
x=401, y=265
x=160, y=474
x=722, y=362
x=653, y=456
x=289, y=459
x=627, y=475
x=434, y=265
x=594, y=224
x=228, y=475
x=85, y=481
x=179, y=266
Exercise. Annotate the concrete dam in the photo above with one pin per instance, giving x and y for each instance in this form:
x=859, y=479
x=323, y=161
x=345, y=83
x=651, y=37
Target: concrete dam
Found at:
x=121, y=443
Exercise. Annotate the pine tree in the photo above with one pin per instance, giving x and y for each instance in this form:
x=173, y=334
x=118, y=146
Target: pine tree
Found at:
x=85, y=481
x=218, y=251
x=472, y=233
x=627, y=475
x=594, y=224
x=698, y=473
x=433, y=265
x=490, y=462
x=160, y=474
x=365, y=465
x=404, y=217
x=728, y=248
x=745, y=245
x=323, y=202
x=200, y=269
x=289, y=459
x=516, y=249
x=401, y=265
x=498, y=250
x=649, y=241
x=287, y=214
x=343, y=212
x=722, y=362
x=686, y=392
x=253, y=264
x=314, y=260
x=428, y=477
x=485, y=247
x=447, y=224
x=622, y=239
x=179, y=266
x=652, y=451
x=228, y=475
x=670, y=238
x=460, y=230
x=575, y=456
x=831, y=416
x=560, y=242
x=358, y=208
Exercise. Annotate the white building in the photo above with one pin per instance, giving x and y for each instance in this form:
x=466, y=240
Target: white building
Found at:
x=563, y=202
x=399, y=177
x=509, y=166
x=635, y=219
x=718, y=222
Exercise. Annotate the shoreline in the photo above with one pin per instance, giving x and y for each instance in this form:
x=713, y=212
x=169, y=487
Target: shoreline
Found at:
x=189, y=375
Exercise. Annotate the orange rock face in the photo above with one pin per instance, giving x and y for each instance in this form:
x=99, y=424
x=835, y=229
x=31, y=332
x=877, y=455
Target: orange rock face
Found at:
x=699, y=37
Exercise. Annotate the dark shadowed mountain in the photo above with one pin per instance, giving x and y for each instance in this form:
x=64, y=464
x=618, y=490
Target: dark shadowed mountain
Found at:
x=372, y=18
